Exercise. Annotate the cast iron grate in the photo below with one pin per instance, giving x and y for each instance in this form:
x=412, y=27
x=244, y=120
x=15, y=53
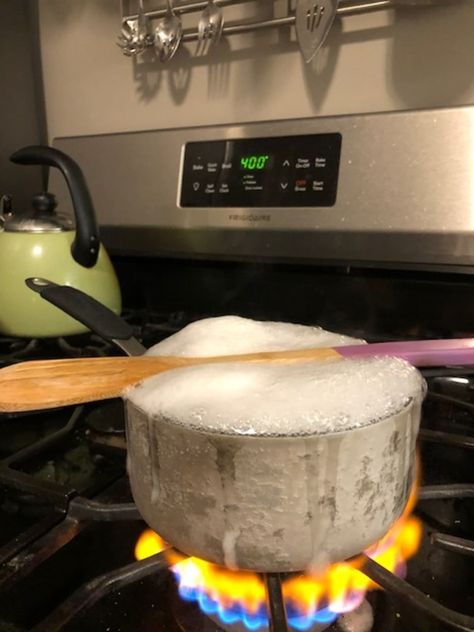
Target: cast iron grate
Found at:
x=75, y=510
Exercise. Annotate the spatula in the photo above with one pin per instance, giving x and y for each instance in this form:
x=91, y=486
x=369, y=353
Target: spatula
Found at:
x=313, y=21
x=53, y=383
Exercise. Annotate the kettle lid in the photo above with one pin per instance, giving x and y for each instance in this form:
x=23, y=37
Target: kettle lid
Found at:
x=43, y=217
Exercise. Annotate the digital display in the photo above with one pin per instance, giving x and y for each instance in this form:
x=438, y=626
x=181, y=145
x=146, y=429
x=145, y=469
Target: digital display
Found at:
x=278, y=171
x=254, y=162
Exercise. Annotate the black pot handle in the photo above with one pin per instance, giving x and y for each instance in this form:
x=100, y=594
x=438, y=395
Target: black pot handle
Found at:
x=88, y=311
x=85, y=247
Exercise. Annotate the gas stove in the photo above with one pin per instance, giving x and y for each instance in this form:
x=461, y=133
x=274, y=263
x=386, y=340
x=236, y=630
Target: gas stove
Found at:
x=351, y=223
x=68, y=525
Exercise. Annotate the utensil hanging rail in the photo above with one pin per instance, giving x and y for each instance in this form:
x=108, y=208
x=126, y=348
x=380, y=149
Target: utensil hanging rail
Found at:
x=235, y=28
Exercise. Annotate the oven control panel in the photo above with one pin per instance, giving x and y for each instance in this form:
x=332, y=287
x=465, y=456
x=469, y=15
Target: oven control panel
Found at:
x=285, y=171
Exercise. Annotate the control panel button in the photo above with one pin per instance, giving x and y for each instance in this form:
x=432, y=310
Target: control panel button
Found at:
x=303, y=163
x=300, y=185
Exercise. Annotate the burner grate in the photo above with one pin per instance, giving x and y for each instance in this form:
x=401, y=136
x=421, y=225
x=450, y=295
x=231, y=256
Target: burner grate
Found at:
x=97, y=588
x=28, y=481
x=149, y=327
x=275, y=604
x=13, y=350
x=405, y=592
x=69, y=508
x=409, y=595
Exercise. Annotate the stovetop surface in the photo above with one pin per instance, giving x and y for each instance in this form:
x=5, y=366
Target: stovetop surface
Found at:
x=89, y=462
x=62, y=568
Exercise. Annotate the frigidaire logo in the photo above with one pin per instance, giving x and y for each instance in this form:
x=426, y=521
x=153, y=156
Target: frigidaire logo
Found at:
x=249, y=217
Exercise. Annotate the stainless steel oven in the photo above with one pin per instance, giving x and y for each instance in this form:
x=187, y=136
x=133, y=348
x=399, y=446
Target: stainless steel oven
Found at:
x=361, y=224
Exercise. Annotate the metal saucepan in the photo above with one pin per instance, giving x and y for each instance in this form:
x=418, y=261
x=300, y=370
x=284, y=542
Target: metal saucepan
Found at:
x=273, y=504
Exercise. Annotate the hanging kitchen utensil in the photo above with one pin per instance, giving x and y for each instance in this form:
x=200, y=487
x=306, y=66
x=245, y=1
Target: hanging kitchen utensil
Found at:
x=128, y=40
x=313, y=21
x=41, y=242
x=144, y=32
x=136, y=35
x=210, y=27
x=53, y=383
x=94, y=315
x=168, y=34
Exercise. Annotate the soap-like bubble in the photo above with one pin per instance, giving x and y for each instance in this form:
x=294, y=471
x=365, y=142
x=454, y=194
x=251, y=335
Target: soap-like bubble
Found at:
x=227, y=335
x=271, y=399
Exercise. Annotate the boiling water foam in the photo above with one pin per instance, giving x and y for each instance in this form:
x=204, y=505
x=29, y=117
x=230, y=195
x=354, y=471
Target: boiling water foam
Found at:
x=232, y=335
x=284, y=399
x=301, y=398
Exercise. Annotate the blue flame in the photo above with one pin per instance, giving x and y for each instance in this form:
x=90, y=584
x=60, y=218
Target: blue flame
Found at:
x=253, y=621
x=304, y=622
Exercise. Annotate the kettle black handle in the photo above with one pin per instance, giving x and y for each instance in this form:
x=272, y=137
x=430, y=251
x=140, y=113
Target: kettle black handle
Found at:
x=85, y=247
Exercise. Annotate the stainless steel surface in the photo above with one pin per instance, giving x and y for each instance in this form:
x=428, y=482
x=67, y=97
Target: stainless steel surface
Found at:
x=168, y=34
x=131, y=347
x=127, y=42
x=413, y=3
x=210, y=27
x=405, y=197
x=37, y=223
x=144, y=33
x=345, y=8
x=319, y=498
x=236, y=28
x=185, y=7
x=313, y=20
x=136, y=34
x=31, y=221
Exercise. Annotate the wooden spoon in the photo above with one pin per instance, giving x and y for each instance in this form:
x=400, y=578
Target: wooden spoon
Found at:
x=53, y=383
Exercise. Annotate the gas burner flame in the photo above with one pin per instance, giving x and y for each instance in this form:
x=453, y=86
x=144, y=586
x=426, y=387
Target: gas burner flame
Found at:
x=310, y=599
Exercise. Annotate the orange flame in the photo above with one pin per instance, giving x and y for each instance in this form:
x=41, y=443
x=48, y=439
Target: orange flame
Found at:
x=340, y=588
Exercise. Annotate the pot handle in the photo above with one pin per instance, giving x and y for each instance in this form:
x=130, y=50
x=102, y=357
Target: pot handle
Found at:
x=85, y=247
x=88, y=311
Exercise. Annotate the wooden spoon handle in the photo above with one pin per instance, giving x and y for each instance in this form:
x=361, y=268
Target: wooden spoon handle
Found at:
x=44, y=384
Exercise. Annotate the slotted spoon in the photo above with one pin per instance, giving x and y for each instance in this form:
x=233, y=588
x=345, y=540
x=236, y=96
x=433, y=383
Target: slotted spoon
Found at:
x=314, y=19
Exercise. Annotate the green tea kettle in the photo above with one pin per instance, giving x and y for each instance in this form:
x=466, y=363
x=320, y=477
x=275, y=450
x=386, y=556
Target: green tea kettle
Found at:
x=43, y=243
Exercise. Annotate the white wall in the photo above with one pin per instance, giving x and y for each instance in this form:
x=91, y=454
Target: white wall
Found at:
x=408, y=58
